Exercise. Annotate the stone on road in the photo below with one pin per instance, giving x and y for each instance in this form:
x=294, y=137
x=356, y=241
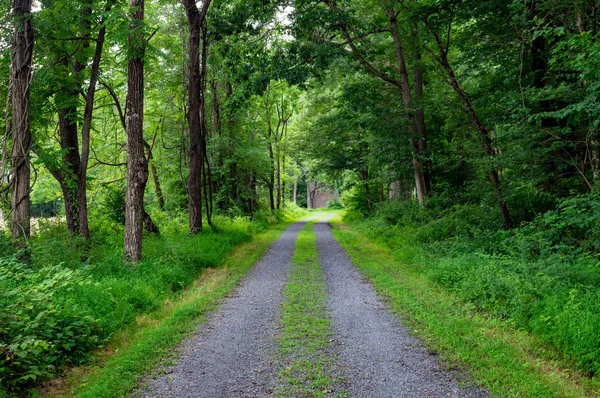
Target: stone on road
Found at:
x=376, y=354
x=231, y=356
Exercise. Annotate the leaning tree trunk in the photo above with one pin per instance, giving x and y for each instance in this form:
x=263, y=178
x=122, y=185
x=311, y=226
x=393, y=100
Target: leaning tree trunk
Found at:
x=493, y=172
x=22, y=54
x=137, y=164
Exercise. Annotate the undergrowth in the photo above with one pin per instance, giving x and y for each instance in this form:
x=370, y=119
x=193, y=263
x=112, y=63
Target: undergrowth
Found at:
x=543, y=277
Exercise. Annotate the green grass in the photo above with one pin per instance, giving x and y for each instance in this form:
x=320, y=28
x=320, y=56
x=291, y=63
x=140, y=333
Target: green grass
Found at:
x=139, y=348
x=507, y=361
x=307, y=362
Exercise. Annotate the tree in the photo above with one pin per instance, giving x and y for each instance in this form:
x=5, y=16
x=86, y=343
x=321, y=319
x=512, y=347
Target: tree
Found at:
x=69, y=62
x=412, y=96
x=137, y=164
x=21, y=61
x=196, y=110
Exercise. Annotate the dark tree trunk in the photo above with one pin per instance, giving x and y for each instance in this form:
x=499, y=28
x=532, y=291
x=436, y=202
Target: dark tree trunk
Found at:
x=137, y=165
x=84, y=229
x=73, y=175
x=421, y=140
x=417, y=139
x=278, y=182
x=271, y=181
x=206, y=170
x=193, y=116
x=195, y=20
x=149, y=224
x=22, y=53
x=295, y=194
x=69, y=144
x=493, y=173
x=157, y=187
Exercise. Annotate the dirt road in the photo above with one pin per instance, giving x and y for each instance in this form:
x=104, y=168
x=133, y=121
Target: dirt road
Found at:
x=233, y=354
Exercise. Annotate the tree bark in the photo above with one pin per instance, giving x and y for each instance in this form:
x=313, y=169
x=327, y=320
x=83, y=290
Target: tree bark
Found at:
x=195, y=20
x=271, y=181
x=295, y=194
x=73, y=175
x=416, y=125
x=157, y=187
x=493, y=173
x=206, y=170
x=278, y=182
x=137, y=164
x=421, y=147
x=21, y=73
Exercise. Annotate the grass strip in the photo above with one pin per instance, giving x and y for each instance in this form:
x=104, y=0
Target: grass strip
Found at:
x=504, y=360
x=307, y=365
x=138, y=349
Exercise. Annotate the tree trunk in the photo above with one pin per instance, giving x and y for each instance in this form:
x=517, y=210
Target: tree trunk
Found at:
x=271, y=181
x=73, y=175
x=206, y=171
x=493, y=173
x=22, y=53
x=69, y=176
x=84, y=229
x=417, y=139
x=157, y=187
x=295, y=195
x=195, y=20
x=421, y=140
x=278, y=182
x=137, y=164
x=193, y=116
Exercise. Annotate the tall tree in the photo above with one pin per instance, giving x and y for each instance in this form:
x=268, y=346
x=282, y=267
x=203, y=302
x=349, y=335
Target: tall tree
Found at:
x=493, y=172
x=412, y=105
x=137, y=164
x=70, y=63
x=195, y=19
x=21, y=61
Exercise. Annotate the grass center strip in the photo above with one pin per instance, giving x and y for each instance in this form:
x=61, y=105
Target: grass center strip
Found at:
x=307, y=361
x=499, y=357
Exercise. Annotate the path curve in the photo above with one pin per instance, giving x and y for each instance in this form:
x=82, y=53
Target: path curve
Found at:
x=232, y=354
x=377, y=355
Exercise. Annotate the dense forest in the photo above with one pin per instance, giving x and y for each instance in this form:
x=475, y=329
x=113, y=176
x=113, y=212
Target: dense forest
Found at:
x=143, y=139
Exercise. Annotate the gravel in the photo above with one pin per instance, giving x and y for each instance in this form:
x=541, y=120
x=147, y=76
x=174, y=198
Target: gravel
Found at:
x=231, y=356
x=377, y=356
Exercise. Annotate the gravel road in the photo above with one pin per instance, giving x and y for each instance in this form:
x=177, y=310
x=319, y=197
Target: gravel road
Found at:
x=378, y=358
x=232, y=353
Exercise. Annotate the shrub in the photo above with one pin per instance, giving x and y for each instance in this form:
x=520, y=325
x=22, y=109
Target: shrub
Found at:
x=40, y=328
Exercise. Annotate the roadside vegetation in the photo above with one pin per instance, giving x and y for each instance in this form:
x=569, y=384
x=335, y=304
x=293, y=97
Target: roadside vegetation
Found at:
x=519, y=307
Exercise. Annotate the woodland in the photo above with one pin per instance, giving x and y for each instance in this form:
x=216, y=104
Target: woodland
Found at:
x=143, y=140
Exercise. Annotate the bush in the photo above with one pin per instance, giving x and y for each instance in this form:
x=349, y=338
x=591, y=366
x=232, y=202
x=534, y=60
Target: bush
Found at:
x=334, y=204
x=41, y=329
